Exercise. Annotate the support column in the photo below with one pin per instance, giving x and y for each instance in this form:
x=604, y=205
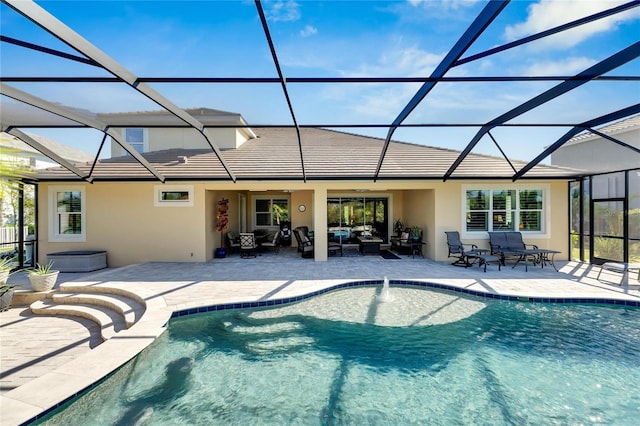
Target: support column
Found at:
x=320, y=224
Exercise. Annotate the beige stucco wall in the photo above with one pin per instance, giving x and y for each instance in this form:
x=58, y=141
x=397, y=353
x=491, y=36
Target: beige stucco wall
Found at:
x=598, y=154
x=122, y=218
x=160, y=139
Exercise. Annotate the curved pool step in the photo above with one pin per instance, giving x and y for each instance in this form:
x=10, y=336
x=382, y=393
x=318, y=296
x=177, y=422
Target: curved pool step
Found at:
x=109, y=321
x=73, y=287
x=130, y=309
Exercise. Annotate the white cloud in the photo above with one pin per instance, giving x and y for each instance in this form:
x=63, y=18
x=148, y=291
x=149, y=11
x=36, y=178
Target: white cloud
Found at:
x=283, y=11
x=547, y=14
x=446, y=4
x=566, y=66
x=402, y=62
x=384, y=101
x=308, y=31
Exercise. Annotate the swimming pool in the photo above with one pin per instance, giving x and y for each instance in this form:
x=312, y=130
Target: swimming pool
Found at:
x=345, y=357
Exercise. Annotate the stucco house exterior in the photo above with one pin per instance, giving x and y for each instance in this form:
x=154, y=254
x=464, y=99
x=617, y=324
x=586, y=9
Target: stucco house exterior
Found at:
x=323, y=180
x=597, y=154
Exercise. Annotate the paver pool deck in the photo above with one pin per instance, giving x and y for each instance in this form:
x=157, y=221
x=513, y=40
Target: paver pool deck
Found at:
x=47, y=359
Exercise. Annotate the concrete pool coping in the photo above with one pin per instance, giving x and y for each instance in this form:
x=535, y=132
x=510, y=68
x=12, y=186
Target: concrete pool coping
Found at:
x=175, y=287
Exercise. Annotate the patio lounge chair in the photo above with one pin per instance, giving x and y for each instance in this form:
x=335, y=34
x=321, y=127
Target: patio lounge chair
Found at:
x=248, y=245
x=457, y=249
x=305, y=245
x=505, y=244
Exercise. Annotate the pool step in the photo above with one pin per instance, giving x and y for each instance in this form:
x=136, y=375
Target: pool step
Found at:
x=109, y=321
x=130, y=309
x=112, y=309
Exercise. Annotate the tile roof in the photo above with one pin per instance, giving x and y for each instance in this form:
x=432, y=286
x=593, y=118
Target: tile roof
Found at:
x=610, y=129
x=327, y=154
x=65, y=151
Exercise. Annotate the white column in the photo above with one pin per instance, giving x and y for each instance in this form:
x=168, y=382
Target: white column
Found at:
x=320, y=224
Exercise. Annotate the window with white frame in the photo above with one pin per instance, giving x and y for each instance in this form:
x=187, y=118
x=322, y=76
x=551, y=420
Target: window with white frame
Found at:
x=173, y=195
x=67, y=216
x=270, y=212
x=505, y=209
x=137, y=138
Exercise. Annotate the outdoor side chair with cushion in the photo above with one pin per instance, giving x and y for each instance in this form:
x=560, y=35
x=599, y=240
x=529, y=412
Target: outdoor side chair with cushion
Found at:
x=304, y=230
x=273, y=241
x=233, y=241
x=458, y=249
x=505, y=244
x=248, y=244
x=305, y=245
x=402, y=243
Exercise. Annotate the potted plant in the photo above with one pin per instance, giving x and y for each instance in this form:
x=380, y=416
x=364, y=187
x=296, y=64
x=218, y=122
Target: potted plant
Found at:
x=43, y=277
x=416, y=233
x=6, y=296
x=398, y=226
x=5, y=269
x=222, y=225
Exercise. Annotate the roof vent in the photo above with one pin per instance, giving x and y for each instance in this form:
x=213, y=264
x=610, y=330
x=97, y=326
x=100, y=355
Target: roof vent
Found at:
x=183, y=159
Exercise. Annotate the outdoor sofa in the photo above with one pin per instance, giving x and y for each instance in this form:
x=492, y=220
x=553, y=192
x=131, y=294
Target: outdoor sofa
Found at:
x=508, y=244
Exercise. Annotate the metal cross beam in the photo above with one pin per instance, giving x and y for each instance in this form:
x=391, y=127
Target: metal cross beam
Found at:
x=47, y=152
x=29, y=99
x=617, y=115
x=482, y=21
x=551, y=31
x=52, y=25
x=602, y=67
x=283, y=82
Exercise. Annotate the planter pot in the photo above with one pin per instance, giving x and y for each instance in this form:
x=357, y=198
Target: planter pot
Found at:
x=5, y=300
x=43, y=282
x=221, y=252
x=4, y=276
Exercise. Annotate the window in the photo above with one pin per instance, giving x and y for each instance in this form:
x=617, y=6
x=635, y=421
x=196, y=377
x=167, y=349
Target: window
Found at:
x=67, y=214
x=137, y=138
x=505, y=209
x=269, y=212
x=173, y=195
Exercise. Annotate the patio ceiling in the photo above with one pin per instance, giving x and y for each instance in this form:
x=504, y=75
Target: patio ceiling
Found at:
x=29, y=103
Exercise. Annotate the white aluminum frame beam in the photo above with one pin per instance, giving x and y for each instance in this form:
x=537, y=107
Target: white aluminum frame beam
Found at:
x=61, y=111
x=55, y=27
x=46, y=151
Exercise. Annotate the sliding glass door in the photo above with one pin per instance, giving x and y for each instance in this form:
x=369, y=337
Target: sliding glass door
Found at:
x=351, y=217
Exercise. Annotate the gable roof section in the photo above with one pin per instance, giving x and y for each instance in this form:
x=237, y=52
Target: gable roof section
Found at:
x=328, y=155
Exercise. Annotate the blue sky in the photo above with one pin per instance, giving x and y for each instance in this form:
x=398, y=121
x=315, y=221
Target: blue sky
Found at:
x=333, y=39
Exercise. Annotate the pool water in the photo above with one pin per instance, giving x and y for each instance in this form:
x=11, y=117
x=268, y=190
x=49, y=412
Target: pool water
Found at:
x=346, y=358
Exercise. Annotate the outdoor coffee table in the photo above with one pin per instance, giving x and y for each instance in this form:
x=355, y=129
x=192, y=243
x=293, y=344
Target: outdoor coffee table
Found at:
x=542, y=256
x=369, y=245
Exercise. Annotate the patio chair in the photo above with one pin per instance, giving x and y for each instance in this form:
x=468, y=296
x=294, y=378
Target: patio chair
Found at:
x=273, y=241
x=335, y=248
x=305, y=245
x=233, y=242
x=457, y=249
x=248, y=245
